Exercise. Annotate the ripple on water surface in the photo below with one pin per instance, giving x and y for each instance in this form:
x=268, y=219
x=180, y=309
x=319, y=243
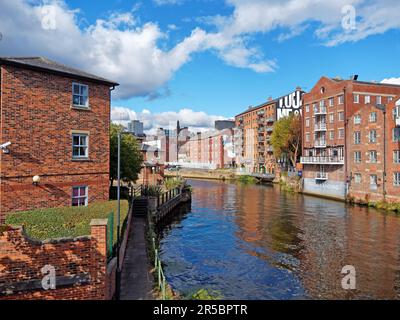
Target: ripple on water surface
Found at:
x=254, y=242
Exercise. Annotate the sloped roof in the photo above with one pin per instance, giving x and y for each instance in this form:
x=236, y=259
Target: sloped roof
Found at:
x=44, y=64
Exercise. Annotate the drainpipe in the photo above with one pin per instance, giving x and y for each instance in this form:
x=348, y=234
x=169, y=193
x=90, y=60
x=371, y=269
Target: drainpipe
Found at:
x=347, y=182
x=384, y=155
x=382, y=108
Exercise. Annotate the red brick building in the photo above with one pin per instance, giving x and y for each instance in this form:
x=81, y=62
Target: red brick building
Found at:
x=336, y=129
x=254, y=152
x=375, y=153
x=213, y=149
x=57, y=120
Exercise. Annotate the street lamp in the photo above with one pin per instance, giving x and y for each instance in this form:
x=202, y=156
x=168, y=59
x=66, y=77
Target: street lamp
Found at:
x=382, y=107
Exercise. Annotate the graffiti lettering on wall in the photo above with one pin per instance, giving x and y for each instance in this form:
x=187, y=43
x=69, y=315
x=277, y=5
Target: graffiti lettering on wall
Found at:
x=290, y=103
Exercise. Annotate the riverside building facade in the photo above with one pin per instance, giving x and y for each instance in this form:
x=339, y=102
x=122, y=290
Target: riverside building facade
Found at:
x=56, y=120
x=343, y=137
x=254, y=127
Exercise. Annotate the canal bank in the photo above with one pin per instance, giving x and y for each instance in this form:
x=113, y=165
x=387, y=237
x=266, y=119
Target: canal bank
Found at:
x=256, y=242
x=142, y=275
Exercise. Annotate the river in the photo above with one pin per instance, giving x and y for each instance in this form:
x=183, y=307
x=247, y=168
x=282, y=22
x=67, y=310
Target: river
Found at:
x=256, y=242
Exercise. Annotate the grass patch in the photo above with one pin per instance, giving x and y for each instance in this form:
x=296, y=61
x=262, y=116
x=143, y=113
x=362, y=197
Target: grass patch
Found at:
x=203, y=294
x=247, y=180
x=65, y=222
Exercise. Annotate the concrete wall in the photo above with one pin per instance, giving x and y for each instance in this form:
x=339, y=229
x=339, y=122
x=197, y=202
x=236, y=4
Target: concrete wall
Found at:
x=329, y=188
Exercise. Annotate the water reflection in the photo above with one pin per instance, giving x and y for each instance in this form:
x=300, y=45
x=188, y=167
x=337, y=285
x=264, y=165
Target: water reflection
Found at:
x=254, y=242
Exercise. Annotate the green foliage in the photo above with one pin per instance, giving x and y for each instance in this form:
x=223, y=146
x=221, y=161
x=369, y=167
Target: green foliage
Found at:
x=383, y=205
x=65, y=222
x=152, y=191
x=286, y=138
x=204, y=294
x=173, y=183
x=247, y=180
x=131, y=156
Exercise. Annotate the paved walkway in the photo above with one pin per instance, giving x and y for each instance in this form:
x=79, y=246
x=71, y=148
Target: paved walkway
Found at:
x=136, y=280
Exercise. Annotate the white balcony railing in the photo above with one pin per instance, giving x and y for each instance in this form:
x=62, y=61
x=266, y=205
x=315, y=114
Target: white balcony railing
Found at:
x=320, y=111
x=320, y=144
x=320, y=127
x=322, y=160
x=321, y=176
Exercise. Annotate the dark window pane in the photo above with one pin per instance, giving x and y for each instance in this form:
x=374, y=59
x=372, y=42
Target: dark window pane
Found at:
x=75, y=140
x=75, y=151
x=76, y=100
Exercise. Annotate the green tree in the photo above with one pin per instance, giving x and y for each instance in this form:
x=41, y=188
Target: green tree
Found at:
x=131, y=156
x=286, y=138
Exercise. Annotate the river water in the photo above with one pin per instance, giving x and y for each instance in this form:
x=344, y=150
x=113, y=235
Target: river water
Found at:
x=256, y=242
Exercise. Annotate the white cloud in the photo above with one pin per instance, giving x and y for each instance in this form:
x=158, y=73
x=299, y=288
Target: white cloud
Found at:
x=391, y=81
x=195, y=120
x=167, y=2
x=121, y=48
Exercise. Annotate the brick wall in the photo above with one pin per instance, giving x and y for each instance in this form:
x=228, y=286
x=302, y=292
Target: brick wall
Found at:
x=81, y=260
x=37, y=117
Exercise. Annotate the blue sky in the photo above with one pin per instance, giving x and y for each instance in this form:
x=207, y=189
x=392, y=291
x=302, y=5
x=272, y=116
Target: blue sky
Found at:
x=214, y=58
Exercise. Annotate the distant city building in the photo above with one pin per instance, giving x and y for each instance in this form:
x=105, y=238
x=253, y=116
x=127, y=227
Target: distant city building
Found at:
x=209, y=150
x=136, y=127
x=166, y=141
x=224, y=124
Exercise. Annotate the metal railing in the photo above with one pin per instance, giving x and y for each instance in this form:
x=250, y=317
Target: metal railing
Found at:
x=110, y=235
x=320, y=111
x=168, y=195
x=321, y=176
x=320, y=127
x=322, y=160
x=161, y=282
x=320, y=143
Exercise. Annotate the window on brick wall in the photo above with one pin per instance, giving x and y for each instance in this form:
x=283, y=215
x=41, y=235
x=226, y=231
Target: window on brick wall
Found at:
x=307, y=122
x=356, y=98
x=357, y=137
x=367, y=99
x=395, y=113
x=80, y=95
x=307, y=108
x=396, y=134
x=331, y=118
x=357, y=178
x=331, y=102
x=396, y=156
x=396, y=179
x=378, y=100
x=331, y=135
x=341, y=116
x=372, y=136
x=357, y=119
x=373, y=156
x=373, y=117
x=80, y=146
x=341, y=99
x=373, y=182
x=341, y=133
x=80, y=196
x=307, y=137
x=357, y=156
